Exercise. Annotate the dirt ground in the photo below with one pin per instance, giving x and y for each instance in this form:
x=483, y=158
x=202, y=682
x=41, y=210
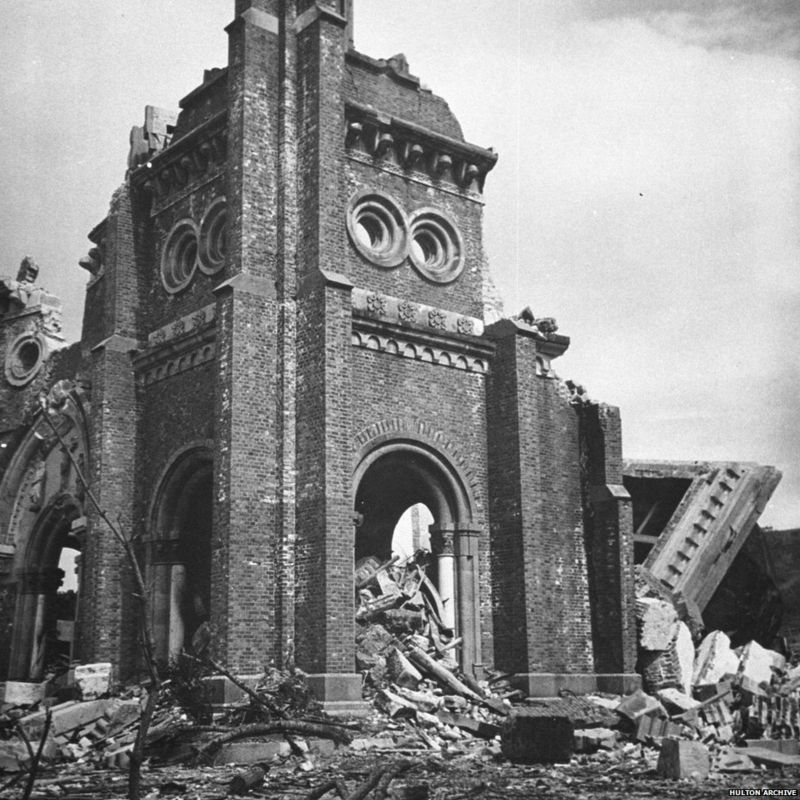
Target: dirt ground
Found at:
x=441, y=776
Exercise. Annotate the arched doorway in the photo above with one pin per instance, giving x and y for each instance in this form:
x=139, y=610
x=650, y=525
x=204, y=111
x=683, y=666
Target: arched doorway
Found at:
x=180, y=555
x=47, y=607
x=392, y=478
x=41, y=521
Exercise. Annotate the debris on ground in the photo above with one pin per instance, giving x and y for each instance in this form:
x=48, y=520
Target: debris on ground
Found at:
x=704, y=717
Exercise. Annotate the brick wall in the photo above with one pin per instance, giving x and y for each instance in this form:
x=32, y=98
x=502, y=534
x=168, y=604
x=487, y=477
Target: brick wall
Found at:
x=465, y=294
x=609, y=539
x=542, y=621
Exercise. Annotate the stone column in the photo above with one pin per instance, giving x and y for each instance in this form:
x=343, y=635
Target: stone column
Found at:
x=29, y=626
x=177, y=626
x=443, y=552
x=465, y=541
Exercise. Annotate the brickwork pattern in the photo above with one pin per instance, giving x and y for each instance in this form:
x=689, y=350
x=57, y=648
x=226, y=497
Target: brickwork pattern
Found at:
x=536, y=519
x=398, y=398
x=608, y=525
x=464, y=295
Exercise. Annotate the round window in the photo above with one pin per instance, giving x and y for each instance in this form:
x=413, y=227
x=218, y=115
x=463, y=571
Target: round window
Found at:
x=179, y=257
x=213, y=231
x=437, y=250
x=378, y=228
x=24, y=359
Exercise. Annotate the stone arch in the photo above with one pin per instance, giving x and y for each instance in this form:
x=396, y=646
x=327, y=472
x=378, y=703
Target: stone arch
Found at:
x=179, y=562
x=397, y=468
x=42, y=513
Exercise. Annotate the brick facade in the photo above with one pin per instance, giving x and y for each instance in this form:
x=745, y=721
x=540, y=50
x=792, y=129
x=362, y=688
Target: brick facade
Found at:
x=312, y=372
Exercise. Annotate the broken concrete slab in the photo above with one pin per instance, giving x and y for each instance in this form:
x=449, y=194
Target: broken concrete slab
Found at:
x=768, y=756
x=684, y=651
x=715, y=660
x=639, y=704
x=683, y=759
x=66, y=717
x=657, y=622
x=759, y=664
x=675, y=701
x=791, y=747
x=24, y=693
x=729, y=761
x=245, y=753
x=537, y=740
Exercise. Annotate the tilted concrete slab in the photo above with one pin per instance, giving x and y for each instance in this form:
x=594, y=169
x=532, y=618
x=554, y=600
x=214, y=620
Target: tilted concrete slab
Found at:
x=712, y=520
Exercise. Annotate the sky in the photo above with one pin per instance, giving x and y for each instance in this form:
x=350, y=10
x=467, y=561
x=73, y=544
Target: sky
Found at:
x=647, y=193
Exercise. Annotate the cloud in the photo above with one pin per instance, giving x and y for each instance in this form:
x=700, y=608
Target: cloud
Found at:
x=768, y=26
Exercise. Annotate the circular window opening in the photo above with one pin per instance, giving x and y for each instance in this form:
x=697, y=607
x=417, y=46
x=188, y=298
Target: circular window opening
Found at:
x=29, y=355
x=437, y=250
x=179, y=257
x=378, y=228
x=213, y=235
x=372, y=233
x=24, y=359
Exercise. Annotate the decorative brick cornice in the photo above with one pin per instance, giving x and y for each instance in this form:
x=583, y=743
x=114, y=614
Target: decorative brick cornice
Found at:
x=181, y=345
x=190, y=323
x=418, y=316
x=385, y=338
x=176, y=170
x=403, y=146
x=199, y=350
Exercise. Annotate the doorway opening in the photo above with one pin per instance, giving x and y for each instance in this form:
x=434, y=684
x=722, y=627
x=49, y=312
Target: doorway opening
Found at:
x=181, y=558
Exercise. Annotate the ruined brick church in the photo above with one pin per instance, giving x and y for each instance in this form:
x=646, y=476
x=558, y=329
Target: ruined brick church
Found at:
x=289, y=339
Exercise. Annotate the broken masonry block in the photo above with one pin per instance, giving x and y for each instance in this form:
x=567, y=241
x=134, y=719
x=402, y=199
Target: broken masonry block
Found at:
x=638, y=705
x=675, y=701
x=712, y=690
x=657, y=622
x=728, y=761
x=245, y=753
x=24, y=693
x=683, y=645
x=537, y=739
x=683, y=759
x=759, y=664
x=426, y=701
x=401, y=671
x=93, y=680
x=747, y=684
x=714, y=659
x=485, y=730
x=587, y=740
x=654, y=729
x=689, y=613
x=660, y=669
x=403, y=620
x=370, y=644
x=394, y=704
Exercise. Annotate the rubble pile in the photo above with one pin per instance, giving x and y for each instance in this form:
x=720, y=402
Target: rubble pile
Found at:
x=705, y=713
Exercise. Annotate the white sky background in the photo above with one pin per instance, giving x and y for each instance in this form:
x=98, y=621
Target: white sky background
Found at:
x=647, y=193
